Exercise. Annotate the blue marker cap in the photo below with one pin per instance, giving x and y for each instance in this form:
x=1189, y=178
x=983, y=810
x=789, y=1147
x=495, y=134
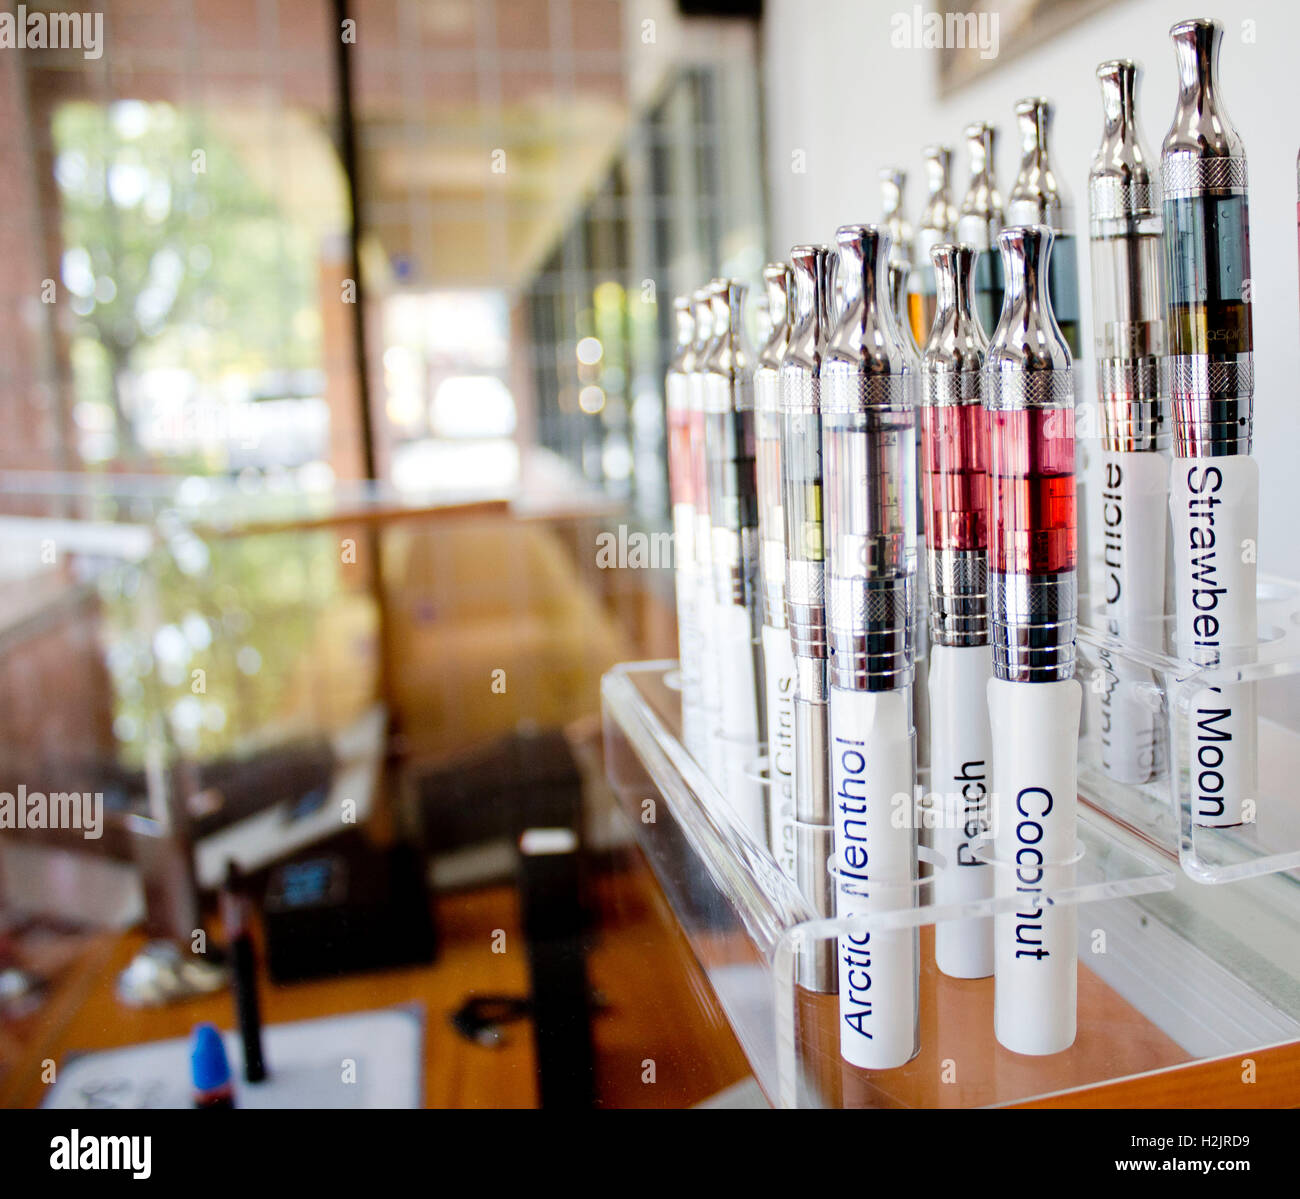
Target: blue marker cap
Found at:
x=208, y=1064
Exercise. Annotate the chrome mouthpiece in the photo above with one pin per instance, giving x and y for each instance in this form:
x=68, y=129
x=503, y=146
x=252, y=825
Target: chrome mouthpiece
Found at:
x=1028, y=362
x=1121, y=186
x=980, y=215
x=777, y=289
x=939, y=217
x=703, y=316
x=1037, y=196
x=893, y=184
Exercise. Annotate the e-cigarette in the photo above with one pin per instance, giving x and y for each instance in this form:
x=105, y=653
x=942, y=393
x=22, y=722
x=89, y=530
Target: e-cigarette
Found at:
x=1131, y=516
x=805, y=597
x=898, y=275
x=778, y=656
x=954, y=455
x=1038, y=198
x=1034, y=699
x=709, y=740
x=733, y=510
x=980, y=218
x=1214, y=488
x=938, y=221
x=869, y=456
x=681, y=486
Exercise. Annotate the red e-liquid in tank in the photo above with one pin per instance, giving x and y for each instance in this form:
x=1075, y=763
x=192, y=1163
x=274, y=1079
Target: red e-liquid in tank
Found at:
x=1034, y=699
x=1035, y=525
x=954, y=457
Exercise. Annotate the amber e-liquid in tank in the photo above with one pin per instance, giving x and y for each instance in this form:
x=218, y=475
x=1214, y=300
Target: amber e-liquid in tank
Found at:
x=1214, y=484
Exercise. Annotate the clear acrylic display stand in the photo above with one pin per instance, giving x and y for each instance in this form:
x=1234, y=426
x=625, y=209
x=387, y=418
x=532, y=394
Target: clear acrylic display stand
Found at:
x=747, y=923
x=1162, y=808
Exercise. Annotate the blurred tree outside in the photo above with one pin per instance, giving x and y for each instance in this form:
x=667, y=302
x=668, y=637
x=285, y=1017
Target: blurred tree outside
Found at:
x=225, y=642
x=176, y=257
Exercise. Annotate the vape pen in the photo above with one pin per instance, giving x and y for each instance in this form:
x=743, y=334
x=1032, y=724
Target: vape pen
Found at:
x=954, y=454
x=1037, y=198
x=733, y=510
x=898, y=275
x=893, y=184
x=681, y=485
x=938, y=222
x=709, y=740
x=778, y=657
x=1128, y=321
x=805, y=597
x=869, y=456
x=1214, y=488
x=1034, y=699
x=979, y=220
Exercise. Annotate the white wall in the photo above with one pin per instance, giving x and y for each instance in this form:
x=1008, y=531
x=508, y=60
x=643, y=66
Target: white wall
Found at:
x=838, y=91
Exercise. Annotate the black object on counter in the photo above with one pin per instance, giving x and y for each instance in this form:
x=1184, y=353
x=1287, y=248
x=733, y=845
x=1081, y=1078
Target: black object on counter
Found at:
x=352, y=909
x=550, y=894
x=235, y=915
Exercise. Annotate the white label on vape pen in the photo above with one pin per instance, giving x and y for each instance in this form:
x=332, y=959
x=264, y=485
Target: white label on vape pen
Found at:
x=710, y=680
x=778, y=662
x=739, y=731
x=688, y=629
x=738, y=685
x=1035, y=729
x=961, y=757
x=688, y=641
x=872, y=780
x=1132, y=519
x=684, y=537
x=1215, y=508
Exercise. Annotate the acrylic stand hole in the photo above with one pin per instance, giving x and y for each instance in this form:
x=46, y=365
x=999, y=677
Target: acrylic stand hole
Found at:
x=982, y=851
x=908, y=887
